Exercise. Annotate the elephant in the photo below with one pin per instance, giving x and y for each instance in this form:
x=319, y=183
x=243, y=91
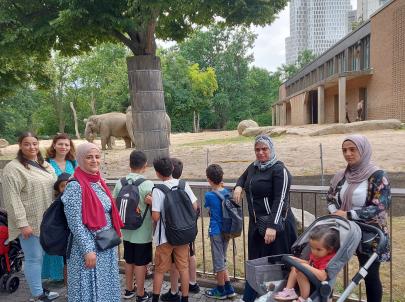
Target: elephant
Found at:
x=112, y=124
x=129, y=124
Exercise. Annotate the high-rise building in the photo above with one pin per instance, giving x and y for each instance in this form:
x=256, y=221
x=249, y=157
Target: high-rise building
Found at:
x=351, y=18
x=316, y=25
x=365, y=8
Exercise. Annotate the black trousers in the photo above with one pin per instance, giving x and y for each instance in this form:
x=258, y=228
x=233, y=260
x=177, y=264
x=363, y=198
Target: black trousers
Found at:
x=373, y=283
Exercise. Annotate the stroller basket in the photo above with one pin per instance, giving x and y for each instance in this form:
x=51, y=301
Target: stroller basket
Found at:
x=261, y=271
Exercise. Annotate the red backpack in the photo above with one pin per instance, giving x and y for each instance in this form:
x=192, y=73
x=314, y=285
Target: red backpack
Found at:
x=4, y=246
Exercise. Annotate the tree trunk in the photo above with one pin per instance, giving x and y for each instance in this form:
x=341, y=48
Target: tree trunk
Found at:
x=148, y=106
x=194, y=123
x=75, y=120
x=198, y=122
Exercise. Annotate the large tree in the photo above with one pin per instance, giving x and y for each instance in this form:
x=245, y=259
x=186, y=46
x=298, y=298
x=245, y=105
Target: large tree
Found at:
x=33, y=28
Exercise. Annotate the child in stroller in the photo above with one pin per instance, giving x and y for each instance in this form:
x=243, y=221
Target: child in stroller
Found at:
x=268, y=275
x=324, y=242
x=10, y=257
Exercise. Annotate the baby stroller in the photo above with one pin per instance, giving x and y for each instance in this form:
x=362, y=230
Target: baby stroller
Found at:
x=269, y=275
x=10, y=257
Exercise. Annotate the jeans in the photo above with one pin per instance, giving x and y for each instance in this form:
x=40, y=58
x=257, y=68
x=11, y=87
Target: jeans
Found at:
x=33, y=255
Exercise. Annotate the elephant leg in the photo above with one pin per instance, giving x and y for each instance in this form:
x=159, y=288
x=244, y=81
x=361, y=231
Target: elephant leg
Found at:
x=109, y=145
x=128, y=142
x=104, y=142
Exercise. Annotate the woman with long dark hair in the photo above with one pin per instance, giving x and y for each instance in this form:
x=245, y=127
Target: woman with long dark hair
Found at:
x=62, y=157
x=27, y=192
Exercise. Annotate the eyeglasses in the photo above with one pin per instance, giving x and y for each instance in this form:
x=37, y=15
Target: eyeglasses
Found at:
x=264, y=149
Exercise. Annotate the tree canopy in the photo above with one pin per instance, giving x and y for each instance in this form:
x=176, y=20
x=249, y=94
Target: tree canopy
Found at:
x=31, y=29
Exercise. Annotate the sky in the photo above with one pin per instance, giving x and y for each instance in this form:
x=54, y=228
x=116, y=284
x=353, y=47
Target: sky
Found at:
x=269, y=49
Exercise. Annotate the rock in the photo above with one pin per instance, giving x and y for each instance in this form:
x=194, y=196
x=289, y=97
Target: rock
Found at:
x=246, y=124
x=276, y=132
x=254, y=131
x=3, y=143
x=308, y=218
x=358, y=126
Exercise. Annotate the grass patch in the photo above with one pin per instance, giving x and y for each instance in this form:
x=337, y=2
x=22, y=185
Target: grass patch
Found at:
x=222, y=141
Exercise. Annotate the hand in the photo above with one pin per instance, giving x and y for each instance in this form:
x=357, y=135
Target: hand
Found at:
x=90, y=260
x=26, y=232
x=270, y=235
x=341, y=213
x=148, y=199
x=237, y=193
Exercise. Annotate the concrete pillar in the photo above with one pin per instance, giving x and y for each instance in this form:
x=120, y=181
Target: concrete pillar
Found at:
x=342, y=100
x=283, y=114
x=321, y=104
x=273, y=115
x=277, y=115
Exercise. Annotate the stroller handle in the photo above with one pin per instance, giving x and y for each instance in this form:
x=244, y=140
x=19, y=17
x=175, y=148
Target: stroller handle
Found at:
x=382, y=241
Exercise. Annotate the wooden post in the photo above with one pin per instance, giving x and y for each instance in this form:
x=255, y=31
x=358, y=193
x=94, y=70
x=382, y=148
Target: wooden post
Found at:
x=148, y=106
x=75, y=120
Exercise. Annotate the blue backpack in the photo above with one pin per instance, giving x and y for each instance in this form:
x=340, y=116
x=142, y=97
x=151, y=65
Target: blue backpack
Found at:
x=232, y=216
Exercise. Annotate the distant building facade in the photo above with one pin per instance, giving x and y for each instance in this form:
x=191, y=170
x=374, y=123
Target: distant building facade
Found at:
x=351, y=19
x=315, y=25
x=365, y=8
x=368, y=64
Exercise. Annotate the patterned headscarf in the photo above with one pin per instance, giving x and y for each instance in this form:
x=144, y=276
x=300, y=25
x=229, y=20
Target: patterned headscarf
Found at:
x=265, y=139
x=355, y=174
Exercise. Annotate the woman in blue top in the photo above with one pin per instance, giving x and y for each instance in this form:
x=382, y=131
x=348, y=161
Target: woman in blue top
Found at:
x=61, y=155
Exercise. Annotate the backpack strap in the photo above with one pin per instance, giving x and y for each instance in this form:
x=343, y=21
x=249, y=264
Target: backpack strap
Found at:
x=124, y=181
x=165, y=189
x=182, y=184
x=139, y=181
x=219, y=195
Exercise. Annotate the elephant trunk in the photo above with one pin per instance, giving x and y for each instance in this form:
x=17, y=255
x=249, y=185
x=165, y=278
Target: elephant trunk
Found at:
x=88, y=134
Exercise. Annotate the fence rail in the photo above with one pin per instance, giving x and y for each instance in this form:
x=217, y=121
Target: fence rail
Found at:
x=310, y=199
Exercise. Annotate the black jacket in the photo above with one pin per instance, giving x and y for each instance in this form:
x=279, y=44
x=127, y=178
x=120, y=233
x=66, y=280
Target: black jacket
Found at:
x=267, y=192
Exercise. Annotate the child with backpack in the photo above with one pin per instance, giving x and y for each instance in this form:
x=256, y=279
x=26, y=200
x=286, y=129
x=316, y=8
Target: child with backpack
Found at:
x=172, y=295
x=133, y=205
x=219, y=243
x=174, y=210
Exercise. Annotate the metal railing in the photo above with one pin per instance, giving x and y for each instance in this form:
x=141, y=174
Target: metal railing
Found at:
x=310, y=199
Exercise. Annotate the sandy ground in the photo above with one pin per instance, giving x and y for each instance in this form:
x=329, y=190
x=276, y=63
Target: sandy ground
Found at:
x=301, y=154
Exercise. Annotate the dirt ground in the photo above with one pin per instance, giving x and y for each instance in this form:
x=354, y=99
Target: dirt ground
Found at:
x=300, y=153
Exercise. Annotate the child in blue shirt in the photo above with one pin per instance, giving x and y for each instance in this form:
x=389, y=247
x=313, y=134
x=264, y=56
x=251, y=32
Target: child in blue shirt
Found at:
x=219, y=244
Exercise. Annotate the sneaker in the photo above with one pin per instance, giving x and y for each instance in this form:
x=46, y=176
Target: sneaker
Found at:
x=286, y=294
x=129, y=294
x=194, y=288
x=215, y=293
x=41, y=298
x=169, y=297
x=146, y=296
x=50, y=295
x=230, y=292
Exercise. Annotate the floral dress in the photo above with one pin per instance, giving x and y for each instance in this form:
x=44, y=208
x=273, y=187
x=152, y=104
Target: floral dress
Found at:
x=99, y=284
x=52, y=266
x=374, y=210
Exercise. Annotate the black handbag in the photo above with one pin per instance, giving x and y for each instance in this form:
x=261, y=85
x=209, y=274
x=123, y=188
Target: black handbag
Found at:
x=262, y=224
x=107, y=239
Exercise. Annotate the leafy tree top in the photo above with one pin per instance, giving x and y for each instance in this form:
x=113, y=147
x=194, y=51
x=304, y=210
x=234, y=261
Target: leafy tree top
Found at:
x=72, y=26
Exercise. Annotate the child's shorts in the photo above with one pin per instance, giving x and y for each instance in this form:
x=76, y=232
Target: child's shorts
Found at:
x=219, y=245
x=163, y=257
x=138, y=254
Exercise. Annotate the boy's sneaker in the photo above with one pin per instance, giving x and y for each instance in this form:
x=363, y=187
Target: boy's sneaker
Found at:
x=146, y=297
x=230, y=292
x=169, y=297
x=215, y=293
x=286, y=294
x=129, y=294
x=194, y=288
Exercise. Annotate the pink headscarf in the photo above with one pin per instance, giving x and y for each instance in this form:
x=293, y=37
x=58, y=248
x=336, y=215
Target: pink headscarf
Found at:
x=355, y=174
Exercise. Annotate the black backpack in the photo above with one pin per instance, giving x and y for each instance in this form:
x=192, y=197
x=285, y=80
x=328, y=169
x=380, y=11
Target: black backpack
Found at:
x=232, y=216
x=179, y=217
x=127, y=203
x=54, y=230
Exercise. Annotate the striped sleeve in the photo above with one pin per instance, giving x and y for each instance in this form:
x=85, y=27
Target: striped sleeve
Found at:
x=281, y=187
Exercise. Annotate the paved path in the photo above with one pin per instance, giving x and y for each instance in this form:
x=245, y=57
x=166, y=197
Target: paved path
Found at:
x=23, y=293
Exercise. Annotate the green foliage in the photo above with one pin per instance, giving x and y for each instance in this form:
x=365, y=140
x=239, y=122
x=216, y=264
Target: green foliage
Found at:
x=287, y=71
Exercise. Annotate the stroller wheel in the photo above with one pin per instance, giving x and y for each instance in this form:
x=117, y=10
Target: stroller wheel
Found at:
x=3, y=280
x=12, y=283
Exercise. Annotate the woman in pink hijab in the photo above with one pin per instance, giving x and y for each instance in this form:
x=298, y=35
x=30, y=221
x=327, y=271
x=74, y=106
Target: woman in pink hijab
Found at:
x=362, y=192
x=89, y=207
